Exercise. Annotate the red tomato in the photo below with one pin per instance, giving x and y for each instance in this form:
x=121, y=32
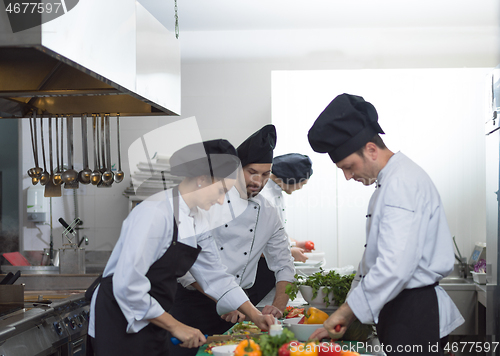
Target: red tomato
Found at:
x=329, y=349
x=284, y=350
x=338, y=327
x=309, y=245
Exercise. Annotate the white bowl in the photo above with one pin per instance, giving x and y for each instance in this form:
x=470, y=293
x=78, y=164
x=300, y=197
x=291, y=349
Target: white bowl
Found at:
x=316, y=255
x=224, y=350
x=301, y=331
x=318, y=302
x=479, y=278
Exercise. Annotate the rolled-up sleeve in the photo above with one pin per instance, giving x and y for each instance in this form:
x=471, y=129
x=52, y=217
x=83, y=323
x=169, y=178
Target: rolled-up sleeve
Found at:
x=212, y=277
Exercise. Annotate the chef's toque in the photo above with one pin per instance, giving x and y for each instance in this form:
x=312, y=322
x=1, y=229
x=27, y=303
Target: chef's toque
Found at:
x=345, y=126
x=259, y=147
x=292, y=167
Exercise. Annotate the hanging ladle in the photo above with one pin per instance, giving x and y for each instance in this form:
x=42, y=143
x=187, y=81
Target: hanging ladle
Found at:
x=119, y=173
x=57, y=178
x=107, y=175
x=44, y=176
x=95, y=176
x=35, y=172
x=70, y=175
x=84, y=174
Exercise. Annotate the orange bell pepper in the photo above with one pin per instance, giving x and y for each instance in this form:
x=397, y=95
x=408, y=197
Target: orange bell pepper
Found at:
x=247, y=348
x=315, y=316
x=309, y=349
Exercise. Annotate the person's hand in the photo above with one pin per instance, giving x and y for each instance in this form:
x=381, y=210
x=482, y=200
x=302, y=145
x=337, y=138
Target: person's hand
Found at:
x=233, y=317
x=307, y=246
x=272, y=310
x=264, y=322
x=319, y=334
x=298, y=254
x=190, y=337
x=336, y=324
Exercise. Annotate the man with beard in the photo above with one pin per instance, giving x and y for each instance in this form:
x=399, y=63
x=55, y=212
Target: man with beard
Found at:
x=246, y=227
x=408, y=243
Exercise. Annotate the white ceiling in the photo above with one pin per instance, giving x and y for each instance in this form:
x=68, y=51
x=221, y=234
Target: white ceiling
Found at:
x=279, y=28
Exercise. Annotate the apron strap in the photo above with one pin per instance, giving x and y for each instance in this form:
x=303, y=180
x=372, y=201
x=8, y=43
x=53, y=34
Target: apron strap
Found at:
x=175, y=196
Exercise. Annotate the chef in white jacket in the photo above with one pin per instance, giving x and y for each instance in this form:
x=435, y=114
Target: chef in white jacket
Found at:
x=408, y=243
x=161, y=239
x=290, y=172
x=246, y=227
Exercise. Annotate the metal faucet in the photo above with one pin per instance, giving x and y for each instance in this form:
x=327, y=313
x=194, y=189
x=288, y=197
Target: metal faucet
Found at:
x=463, y=266
x=462, y=261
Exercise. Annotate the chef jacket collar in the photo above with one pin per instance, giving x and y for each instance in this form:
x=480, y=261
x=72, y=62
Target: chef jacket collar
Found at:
x=392, y=160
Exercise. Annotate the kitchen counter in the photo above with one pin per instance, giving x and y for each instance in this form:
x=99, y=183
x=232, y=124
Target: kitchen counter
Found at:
x=54, y=282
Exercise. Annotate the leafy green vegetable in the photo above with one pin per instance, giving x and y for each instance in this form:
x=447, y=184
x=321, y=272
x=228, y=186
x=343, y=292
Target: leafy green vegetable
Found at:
x=331, y=281
x=269, y=345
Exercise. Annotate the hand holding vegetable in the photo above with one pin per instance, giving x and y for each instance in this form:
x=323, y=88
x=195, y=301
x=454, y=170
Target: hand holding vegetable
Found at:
x=306, y=245
x=336, y=325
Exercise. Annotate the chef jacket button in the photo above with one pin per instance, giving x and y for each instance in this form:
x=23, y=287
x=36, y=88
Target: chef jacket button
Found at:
x=225, y=225
x=244, y=253
x=251, y=230
x=365, y=245
x=237, y=276
x=229, y=201
x=222, y=248
x=255, y=207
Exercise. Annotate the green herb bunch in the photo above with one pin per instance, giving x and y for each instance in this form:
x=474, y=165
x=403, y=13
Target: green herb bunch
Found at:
x=332, y=283
x=269, y=345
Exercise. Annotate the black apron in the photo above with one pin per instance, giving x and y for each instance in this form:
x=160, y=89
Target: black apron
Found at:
x=111, y=337
x=409, y=324
x=195, y=309
x=265, y=281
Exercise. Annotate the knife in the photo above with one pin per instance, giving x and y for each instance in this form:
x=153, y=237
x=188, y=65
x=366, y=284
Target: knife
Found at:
x=7, y=278
x=14, y=278
x=218, y=338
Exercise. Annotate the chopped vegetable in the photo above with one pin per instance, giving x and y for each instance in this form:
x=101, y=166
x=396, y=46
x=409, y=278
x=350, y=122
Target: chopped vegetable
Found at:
x=244, y=327
x=293, y=312
x=331, y=281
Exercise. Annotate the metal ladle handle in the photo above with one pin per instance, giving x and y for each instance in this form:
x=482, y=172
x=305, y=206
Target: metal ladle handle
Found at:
x=69, y=124
x=84, y=141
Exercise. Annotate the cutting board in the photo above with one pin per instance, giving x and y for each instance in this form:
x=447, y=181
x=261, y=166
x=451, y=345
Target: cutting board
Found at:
x=16, y=259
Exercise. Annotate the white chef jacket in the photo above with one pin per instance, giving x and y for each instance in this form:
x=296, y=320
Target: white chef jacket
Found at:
x=274, y=195
x=408, y=244
x=241, y=241
x=145, y=236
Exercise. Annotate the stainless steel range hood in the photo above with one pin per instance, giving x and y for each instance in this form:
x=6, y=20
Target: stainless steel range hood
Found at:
x=100, y=57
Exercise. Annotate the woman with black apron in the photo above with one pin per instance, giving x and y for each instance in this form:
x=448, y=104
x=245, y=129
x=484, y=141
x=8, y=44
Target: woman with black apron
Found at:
x=161, y=239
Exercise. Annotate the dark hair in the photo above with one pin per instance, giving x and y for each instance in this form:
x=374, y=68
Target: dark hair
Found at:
x=377, y=140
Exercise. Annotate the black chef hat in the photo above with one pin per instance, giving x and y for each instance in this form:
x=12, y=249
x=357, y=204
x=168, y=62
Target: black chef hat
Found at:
x=215, y=158
x=259, y=147
x=345, y=126
x=292, y=167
